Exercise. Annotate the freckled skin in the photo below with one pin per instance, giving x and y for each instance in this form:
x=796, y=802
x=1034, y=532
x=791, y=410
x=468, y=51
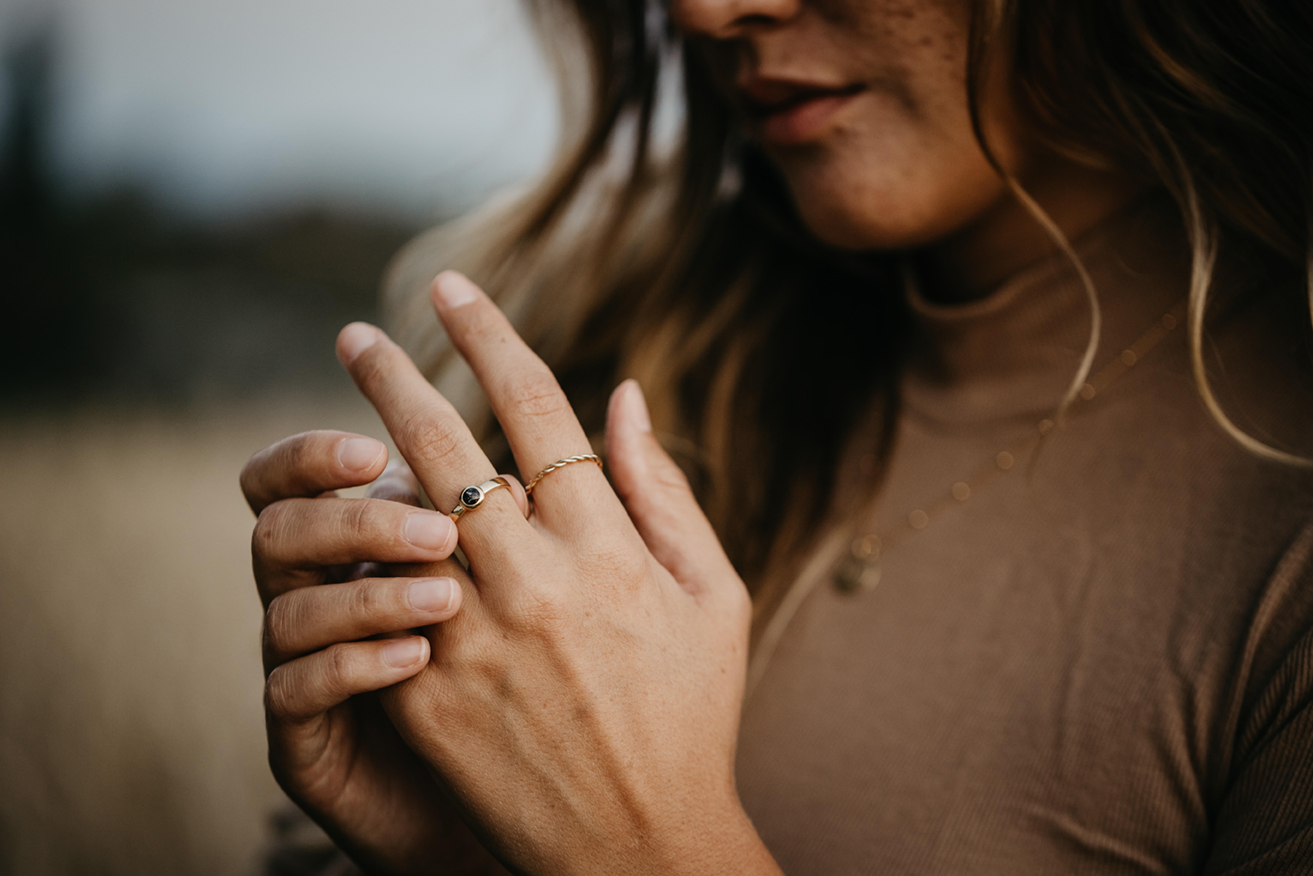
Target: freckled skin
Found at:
x=902, y=167
x=899, y=167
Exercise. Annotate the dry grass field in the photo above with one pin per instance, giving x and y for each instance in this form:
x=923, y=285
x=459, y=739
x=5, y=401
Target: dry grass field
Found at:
x=131, y=737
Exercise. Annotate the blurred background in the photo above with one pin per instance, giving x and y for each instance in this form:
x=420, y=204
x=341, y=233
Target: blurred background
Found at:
x=194, y=197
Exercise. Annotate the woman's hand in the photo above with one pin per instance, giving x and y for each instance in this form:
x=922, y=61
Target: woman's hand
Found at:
x=584, y=704
x=332, y=749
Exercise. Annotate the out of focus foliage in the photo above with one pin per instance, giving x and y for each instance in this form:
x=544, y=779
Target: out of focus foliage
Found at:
x=111, y=296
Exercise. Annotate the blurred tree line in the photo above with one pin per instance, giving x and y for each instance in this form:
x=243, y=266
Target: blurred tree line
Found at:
x=113, y=297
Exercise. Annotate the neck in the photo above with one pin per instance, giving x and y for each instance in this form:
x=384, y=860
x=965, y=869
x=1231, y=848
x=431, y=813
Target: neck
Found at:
x=1003, y=240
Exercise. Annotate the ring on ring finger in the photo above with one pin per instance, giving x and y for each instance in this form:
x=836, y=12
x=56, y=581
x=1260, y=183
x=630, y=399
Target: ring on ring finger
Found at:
x=472, y=497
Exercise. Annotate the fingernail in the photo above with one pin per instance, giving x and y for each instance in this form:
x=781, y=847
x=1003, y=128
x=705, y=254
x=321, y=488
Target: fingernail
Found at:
x=432, y=594
x=637, y=404
x=359, y=454
x=356, y=339
x=403, y=652
x=454, y=289
x=428, y=530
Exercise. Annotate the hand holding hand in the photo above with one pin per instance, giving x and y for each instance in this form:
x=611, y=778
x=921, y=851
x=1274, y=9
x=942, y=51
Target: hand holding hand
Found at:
x=584, y=703
x=330, y=745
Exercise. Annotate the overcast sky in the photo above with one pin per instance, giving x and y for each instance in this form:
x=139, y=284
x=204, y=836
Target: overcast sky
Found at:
x=224, y=107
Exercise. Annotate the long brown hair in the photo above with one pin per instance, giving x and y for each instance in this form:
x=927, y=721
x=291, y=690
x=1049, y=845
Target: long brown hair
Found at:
x=767, y=357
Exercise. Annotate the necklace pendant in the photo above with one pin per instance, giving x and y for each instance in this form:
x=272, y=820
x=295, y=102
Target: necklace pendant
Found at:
x=856, y=575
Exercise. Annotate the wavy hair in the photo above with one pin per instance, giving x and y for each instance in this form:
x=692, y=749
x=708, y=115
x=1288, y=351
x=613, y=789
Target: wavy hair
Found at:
x=679, y=260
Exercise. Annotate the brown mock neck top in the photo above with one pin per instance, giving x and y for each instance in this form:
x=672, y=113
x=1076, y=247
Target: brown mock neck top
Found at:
x=1101, y=661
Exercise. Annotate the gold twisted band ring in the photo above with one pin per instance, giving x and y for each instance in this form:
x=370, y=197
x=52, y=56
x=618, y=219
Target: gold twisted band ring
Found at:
x=472, y=497
x=560, y=463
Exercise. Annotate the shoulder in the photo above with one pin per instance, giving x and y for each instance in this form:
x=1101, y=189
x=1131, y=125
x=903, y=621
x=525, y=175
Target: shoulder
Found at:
x=1258, y=363
x=1204, y=535
x=1241, y=525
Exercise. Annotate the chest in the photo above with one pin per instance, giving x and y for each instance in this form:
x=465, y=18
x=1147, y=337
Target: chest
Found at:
x=1022, y=692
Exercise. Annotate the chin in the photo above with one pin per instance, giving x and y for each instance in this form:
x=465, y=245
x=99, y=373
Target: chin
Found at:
x=862, y=220
x=849, y=227
x=886, y=205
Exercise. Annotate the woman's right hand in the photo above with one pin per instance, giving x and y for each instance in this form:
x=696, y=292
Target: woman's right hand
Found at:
x=331, y=747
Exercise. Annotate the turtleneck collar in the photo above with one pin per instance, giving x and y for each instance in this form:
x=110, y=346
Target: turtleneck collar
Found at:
x=1011, y=355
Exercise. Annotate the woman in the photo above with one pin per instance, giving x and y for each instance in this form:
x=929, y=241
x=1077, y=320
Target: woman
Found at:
x=1025, y=522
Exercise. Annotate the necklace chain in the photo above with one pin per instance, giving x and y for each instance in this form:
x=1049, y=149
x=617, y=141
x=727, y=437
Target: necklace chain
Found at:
x=860, y=570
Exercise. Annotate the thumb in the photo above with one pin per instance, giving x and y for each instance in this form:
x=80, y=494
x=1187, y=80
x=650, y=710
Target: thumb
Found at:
x=658, y=498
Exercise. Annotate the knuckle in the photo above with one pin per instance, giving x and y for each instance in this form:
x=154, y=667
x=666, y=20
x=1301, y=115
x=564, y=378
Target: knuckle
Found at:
x=367, y=526
x=535, y=608
x=277, y=694
x=277, y=627
x=290, y=460
x=249, y=477
x=269, y=528
x=365, y=603
x=428, y=441
x=295, y=453
x=268, y=458
x=284, y=468
x=337, y=669
x=611, y=564
x=535, y=393
x=362, y=520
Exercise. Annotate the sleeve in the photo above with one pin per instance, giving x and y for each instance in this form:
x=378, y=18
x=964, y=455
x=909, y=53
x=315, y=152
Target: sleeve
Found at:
x=1264, y=824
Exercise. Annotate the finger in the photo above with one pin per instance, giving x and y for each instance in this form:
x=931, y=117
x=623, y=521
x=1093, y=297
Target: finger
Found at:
x=296, y=539
x=431, y=435
x=312, y=618
x=539, y=423
x=309, y=464
x=302, y=689
x=517, y=492
x=396, y=484
x=658, y=498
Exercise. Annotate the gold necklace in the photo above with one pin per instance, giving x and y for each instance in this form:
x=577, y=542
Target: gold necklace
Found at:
x=860, y=570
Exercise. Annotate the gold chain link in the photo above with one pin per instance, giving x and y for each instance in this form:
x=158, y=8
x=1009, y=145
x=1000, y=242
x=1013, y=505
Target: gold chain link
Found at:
x=860, y=571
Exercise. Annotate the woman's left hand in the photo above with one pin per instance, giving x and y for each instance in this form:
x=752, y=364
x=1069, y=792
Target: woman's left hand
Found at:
x=584, y=704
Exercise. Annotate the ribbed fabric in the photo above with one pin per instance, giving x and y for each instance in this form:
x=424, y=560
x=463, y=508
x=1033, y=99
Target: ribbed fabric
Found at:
x=1101, y=662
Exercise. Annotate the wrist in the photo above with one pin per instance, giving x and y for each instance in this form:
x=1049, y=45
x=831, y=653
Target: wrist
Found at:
x=726, y=842
x=687, y=841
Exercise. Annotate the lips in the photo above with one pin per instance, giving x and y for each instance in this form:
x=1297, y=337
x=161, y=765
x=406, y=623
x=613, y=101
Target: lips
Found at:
x=791, y=112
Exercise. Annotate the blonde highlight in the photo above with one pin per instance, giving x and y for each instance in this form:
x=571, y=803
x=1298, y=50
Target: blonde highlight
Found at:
x=685, y=269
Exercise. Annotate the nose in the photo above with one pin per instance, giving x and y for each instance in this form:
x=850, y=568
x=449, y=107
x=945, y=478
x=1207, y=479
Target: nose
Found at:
x=727, y=19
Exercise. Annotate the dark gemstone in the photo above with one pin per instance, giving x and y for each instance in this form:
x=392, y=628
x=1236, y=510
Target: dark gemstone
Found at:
x=471, y=497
